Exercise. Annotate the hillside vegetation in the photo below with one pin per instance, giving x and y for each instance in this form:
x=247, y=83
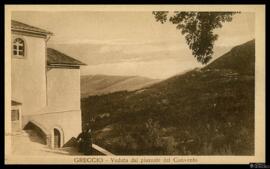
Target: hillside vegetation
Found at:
x=208, y=111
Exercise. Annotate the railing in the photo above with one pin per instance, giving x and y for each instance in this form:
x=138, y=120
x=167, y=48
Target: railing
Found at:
x=102, y=150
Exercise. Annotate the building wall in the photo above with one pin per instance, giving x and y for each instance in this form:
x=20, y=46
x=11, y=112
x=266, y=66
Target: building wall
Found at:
x=28, y=80
x=69, y=122
x=63, y=91
x=63, y=88
x=50, y=98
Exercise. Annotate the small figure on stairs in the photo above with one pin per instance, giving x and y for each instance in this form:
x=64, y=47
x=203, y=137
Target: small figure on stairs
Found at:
x=84, y=140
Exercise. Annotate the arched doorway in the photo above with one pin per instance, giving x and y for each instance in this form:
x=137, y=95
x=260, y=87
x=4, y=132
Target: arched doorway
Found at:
x=57, y=138
x=36, y=133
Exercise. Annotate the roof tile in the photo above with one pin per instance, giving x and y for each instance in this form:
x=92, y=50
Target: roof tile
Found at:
x=55, y=57
x=24, y=27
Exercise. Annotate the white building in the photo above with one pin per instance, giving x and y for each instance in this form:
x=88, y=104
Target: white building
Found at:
x=45, y=87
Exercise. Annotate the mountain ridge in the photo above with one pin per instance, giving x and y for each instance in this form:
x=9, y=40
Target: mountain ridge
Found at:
x=103, y=84
x=207, y=111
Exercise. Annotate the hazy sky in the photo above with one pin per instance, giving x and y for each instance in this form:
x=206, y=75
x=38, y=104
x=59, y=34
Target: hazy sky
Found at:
x=129, y=43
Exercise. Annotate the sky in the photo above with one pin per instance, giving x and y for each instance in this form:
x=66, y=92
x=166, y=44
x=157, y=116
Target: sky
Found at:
x=130, y=43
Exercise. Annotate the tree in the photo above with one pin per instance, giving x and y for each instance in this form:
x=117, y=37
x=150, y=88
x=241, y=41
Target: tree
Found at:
x=198, y=29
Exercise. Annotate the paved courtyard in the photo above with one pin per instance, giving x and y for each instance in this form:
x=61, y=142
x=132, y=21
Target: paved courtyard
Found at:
x=27, y=142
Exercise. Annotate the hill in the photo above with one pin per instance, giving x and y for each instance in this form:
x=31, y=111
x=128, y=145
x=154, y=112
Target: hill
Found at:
x=208, y=111
x=104, y=84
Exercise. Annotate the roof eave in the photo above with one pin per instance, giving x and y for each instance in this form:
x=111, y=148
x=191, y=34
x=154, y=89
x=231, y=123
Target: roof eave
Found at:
x=57, y=65
x=70, y=64
x=32, y=32
x=15, y=103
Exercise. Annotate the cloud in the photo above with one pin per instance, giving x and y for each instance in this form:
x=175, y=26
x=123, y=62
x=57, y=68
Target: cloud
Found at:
x=94, y=41
x=108, y=41
x=233, y=41
x=100, y=53
x=143, y=47
x=122, y=50
x=163, y=47
x=159, y=69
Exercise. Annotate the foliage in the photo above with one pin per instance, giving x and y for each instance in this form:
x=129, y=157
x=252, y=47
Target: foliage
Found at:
x=147, y=139
x=198, y=28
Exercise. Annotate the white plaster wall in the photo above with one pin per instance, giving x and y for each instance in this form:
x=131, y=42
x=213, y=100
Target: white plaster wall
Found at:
x=28, y=79
x=28, y=85
x=69, y=122
x=63, y=89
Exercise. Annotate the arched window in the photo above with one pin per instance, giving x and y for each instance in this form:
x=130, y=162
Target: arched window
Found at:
x=18, y=47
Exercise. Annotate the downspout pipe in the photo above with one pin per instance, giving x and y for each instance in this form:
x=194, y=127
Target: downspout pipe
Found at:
x=46, y=68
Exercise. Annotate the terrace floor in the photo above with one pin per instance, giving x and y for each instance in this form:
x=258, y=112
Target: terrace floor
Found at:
x=27, y=142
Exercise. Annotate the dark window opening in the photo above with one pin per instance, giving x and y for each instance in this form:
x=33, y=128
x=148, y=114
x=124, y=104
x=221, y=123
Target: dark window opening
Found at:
x=57, y=138
x=15, y=115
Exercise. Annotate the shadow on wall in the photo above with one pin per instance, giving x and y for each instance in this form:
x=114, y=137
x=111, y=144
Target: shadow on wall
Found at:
x=36, y=134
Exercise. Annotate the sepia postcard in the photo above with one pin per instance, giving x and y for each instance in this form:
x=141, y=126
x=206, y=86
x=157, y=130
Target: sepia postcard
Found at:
x=134, y=84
